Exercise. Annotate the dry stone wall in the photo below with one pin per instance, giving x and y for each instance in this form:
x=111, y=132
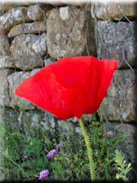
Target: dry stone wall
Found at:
x=116, y=35
x=35, y=35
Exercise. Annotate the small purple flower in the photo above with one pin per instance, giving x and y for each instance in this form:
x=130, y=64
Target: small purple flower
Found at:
x=25, y=157
x=110, y=133
x=51, y=154
x=43, y=174
x=96, y=153
x=58, y=146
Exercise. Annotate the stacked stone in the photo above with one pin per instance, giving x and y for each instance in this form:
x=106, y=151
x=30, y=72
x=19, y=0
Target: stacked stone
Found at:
x=33, y=36
x=116, y=30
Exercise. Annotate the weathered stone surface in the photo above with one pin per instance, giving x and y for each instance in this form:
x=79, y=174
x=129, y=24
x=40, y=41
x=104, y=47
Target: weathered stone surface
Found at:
x=6, y=62
x=4, y=90
x=122, y=97
x=34, y=71
x=48, y=61
x=114, y=10
x=27, y=50
x=14, y=80
x=65, y=126
x=34, y=13
x=28, y=28
x=40, y=46
x=38, y=12
x=9, y=115
x=62, y=3
x=70, y=31
x=20, y=15
x=87, y=118
x=1, y=9
x=13, y=17
x=49, y=122
x=8, y=6
x=34, y=117
x=4, y=45
x=118, y=41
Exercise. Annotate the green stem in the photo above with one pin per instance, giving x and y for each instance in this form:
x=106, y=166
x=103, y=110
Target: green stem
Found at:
x=89, y=151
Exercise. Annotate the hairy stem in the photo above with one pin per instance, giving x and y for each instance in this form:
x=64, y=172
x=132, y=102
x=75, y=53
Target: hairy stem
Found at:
x=89, y=151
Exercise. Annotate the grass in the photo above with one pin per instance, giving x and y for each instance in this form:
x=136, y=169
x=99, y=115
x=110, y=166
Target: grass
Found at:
x=70, y=162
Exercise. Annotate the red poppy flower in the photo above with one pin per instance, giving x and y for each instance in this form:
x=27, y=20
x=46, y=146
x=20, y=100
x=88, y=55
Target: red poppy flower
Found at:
x=69, y=87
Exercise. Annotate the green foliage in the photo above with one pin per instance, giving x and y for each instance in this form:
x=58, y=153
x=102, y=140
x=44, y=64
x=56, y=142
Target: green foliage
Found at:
x=121, y=165
x=103, y=147
x=20, y=140
x=70, y=162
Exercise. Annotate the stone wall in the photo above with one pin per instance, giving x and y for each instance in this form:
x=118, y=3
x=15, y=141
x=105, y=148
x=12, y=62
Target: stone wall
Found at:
x=35, y=35
x=116, y=36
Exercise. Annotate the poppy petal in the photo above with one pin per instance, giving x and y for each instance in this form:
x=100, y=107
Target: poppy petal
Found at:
x=69, y=87
x=102, y=75
x=43, y=90
x=70, y=72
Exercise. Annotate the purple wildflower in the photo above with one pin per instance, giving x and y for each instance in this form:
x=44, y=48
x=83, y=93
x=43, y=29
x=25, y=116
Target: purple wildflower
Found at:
x=51, y=154
x=43, y=174
x=58, y=146
x=110, y=133
x=25, y=157
x=96, y=153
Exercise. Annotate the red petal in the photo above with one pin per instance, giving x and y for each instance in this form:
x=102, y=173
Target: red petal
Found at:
x=70, y=86
x=43, y=90
x=102, y=74
x=70, y=72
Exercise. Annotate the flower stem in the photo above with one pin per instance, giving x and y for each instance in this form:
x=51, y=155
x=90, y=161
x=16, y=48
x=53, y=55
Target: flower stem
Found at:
x=89, y=151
